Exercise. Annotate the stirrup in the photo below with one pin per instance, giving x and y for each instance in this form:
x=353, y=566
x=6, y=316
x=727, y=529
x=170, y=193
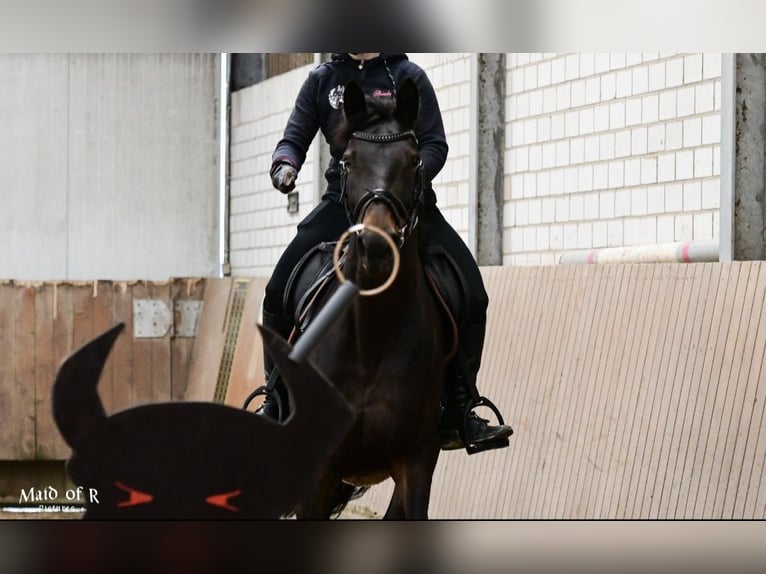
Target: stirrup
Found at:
x=473, y=448
x=270, y=394
x=488, y=445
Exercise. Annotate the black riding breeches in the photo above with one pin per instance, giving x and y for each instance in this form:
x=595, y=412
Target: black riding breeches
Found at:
x=328, y=221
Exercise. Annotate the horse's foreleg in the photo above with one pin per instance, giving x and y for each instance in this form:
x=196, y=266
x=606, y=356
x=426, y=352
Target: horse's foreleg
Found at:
x=395, y=509
x=413, y=490
x=318, y=504
x=418, y=495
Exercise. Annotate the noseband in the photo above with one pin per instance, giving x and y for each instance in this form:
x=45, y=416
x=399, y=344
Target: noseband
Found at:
x=406, y=218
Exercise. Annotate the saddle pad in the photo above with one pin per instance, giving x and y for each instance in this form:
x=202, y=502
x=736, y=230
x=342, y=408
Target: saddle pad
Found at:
x=312, y=275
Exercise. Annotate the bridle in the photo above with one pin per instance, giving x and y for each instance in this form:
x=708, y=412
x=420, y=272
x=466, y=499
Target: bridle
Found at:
x=406, y=218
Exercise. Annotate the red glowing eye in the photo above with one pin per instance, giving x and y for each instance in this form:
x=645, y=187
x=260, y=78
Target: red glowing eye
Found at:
x=136, y=496
x=222, y=500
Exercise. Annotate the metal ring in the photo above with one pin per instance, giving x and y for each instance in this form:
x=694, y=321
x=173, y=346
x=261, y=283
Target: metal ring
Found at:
x=394, y=251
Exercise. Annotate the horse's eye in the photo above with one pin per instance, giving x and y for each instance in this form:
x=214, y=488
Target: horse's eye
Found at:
x=136, y=496
x=222, y=500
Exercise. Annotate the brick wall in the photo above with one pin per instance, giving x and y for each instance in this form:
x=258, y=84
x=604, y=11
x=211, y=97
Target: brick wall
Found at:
x=606, y=150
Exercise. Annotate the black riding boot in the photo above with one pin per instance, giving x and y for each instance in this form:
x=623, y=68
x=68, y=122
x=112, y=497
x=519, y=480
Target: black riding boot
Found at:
x=274, y=385
x=461, y=427
x=471, y=431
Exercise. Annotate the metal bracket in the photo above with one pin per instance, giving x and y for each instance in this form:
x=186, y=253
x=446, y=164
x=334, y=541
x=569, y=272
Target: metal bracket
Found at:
x=151, y=319
x=293, y=202
x=186, y=317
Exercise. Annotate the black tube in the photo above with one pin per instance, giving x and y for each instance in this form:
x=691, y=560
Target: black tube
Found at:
x=339, y=302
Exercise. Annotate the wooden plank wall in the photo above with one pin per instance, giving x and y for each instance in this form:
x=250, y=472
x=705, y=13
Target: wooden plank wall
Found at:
x=635, y=392
x=42, y=323
x=247, y=362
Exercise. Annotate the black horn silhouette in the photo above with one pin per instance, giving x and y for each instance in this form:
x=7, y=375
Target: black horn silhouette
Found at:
x=195, y=460
x=76, y=404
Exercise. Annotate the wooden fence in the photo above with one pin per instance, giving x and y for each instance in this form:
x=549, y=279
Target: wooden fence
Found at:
x=42, y=323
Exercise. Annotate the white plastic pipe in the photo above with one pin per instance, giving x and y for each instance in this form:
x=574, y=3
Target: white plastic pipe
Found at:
x=684, y=252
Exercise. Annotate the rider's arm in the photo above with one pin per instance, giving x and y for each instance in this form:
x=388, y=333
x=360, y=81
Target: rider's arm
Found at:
x=301, y=127
x=430, y=129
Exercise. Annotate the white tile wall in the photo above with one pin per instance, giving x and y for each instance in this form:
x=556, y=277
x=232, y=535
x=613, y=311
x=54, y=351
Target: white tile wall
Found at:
x=630, y=153
x=450, y=74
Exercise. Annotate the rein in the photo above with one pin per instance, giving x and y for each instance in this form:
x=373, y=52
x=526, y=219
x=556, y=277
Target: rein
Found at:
x=406, y=217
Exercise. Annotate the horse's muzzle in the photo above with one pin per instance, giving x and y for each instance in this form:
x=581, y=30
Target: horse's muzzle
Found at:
x=374, y=248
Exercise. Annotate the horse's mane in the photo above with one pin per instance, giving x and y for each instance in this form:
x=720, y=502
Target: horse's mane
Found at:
x=379, y=111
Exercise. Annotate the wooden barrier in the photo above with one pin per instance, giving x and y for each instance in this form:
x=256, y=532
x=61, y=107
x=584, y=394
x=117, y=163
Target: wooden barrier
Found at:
x=42, y=323
x=228, y=358
x=635, y=392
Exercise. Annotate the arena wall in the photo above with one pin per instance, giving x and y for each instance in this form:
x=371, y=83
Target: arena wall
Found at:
x=635, y=392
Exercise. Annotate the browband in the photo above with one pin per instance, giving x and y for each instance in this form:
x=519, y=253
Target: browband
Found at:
x=384, y=138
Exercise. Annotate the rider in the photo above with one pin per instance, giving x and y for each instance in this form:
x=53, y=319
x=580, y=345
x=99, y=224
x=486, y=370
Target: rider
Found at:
x=319, y=105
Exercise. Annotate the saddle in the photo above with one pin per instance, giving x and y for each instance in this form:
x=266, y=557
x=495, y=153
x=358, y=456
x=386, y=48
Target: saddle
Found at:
x=314, y=274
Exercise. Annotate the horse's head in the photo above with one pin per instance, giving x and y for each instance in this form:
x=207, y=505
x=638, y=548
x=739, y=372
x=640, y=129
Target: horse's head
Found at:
x=381, y=170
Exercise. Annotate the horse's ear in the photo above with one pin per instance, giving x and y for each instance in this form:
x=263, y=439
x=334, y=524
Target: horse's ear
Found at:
x=407, y=103
x=354, y=104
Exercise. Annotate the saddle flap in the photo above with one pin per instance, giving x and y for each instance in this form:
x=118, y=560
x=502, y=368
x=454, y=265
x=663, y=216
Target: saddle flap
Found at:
x=450, y=290
x=448, y=282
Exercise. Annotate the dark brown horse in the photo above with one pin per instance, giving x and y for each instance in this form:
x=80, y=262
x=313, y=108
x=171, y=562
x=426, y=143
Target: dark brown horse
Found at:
x=385, y=353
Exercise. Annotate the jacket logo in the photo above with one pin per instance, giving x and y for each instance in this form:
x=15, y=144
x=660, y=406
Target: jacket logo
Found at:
x=381, y=94
x=336, y=97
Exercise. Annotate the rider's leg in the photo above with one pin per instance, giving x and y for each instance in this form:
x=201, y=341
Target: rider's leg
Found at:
x=460, y=388
x=325, y=223
x=461, y=374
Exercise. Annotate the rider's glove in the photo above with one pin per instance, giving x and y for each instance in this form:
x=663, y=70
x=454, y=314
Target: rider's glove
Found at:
x=283, y=176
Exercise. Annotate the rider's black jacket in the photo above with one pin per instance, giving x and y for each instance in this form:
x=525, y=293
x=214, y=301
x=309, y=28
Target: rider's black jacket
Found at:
x=319, y=105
